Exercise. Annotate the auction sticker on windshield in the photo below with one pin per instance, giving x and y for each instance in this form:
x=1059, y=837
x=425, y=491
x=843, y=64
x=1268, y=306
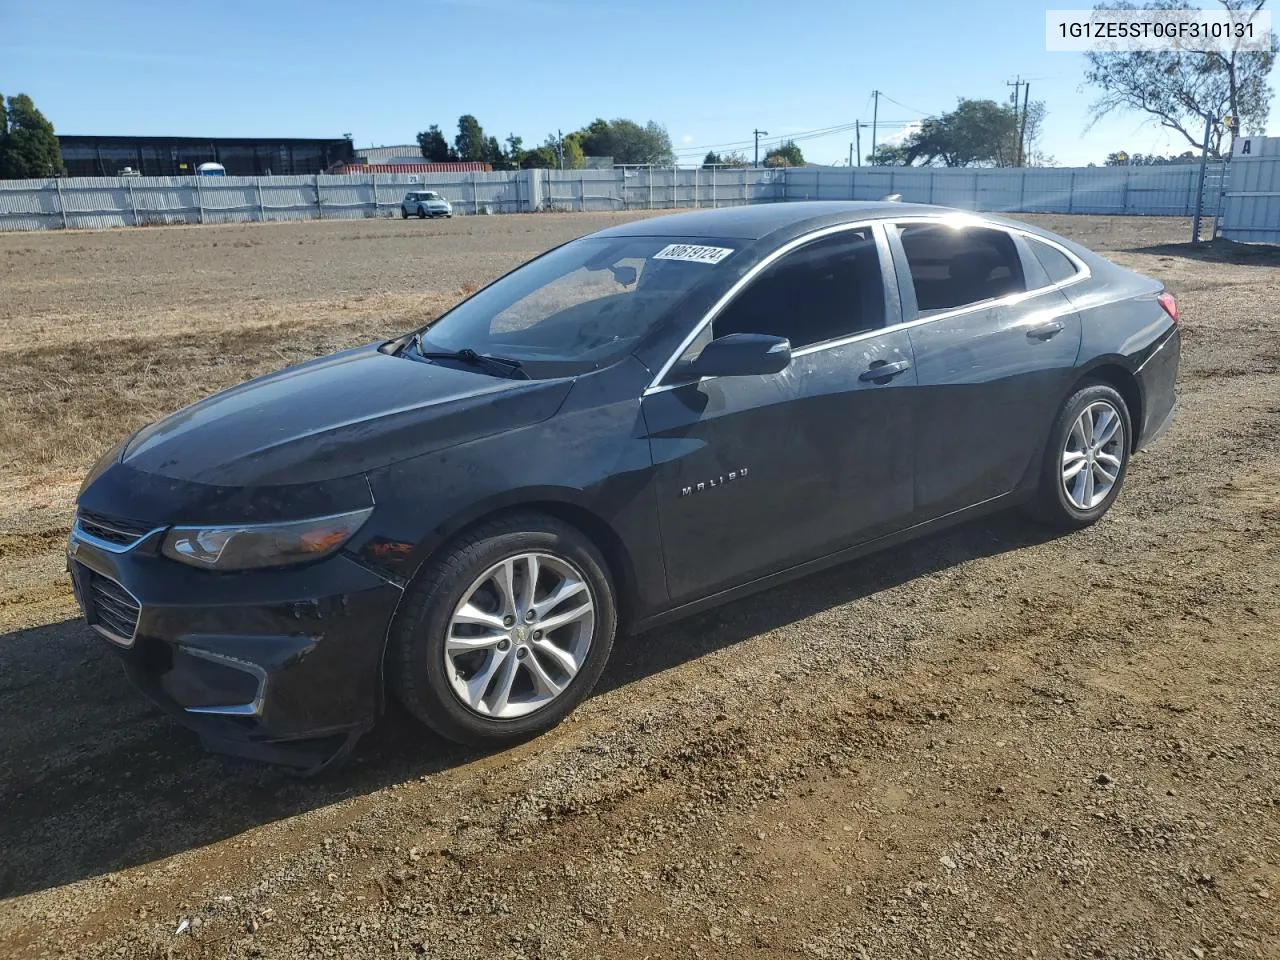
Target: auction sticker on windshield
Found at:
x=692, y=253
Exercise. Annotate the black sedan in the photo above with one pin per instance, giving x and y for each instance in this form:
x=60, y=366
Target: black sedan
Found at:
x=639, y=424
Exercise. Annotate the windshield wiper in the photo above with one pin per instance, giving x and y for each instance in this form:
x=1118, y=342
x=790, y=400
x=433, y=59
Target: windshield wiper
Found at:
x=469, y=356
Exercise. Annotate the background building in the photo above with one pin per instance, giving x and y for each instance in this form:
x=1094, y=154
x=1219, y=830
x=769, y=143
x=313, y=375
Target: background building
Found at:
x=179, y=156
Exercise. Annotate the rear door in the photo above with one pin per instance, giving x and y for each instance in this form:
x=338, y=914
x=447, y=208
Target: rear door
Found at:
x=755, y=474
x=995, y=344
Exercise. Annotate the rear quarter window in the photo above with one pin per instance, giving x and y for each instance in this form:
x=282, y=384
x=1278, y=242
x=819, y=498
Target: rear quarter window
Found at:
x=1057, y=264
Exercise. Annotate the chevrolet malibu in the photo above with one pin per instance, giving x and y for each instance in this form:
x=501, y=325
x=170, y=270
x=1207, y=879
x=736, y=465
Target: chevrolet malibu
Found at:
x=636, y=425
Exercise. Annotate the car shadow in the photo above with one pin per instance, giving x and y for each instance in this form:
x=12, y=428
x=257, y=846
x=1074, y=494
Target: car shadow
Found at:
x=94, y=780
x=1216, y=251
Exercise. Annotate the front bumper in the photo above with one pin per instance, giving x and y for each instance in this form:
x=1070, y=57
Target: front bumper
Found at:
x=282, y=665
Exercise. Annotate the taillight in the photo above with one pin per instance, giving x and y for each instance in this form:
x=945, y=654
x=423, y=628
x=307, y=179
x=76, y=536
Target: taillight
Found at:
x=1170, y=305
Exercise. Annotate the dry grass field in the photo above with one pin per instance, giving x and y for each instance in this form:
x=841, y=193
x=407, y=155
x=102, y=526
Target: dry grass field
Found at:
x=992, y=743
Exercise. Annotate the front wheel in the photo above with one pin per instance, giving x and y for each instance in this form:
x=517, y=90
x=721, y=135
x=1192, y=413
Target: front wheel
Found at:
x=1087, y=458
x=404, y=214
x=506, y=632
x=422, y=213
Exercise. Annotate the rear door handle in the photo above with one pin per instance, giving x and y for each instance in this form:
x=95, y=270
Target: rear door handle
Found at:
x=1046, y=331
x=882, y=371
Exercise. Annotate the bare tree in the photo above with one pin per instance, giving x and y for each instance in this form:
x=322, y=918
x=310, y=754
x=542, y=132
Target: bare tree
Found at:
x=1185, y=89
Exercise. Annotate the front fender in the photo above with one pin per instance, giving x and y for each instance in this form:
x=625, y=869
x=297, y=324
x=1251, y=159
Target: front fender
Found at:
x=592, y=459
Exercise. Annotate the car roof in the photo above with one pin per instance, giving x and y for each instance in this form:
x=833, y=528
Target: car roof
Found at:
x=758, y=220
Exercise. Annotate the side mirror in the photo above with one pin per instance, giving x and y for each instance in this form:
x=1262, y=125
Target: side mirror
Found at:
x=741, y=355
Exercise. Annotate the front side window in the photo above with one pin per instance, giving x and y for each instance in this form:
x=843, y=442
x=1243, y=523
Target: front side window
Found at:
x=955, y=266
x=826, y=289
x=582, y=306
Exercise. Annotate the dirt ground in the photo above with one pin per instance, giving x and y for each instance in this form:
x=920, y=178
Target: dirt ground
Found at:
x=991, y=743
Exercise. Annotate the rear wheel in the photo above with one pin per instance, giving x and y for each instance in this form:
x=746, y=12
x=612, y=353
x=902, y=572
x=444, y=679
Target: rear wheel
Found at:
x=404, y=214
x=1087, y=458
x=422, y=213
x=506, y=632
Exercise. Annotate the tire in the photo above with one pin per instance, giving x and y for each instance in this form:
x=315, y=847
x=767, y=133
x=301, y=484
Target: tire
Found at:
x=404, y=214
x=1074, y=504
x=422, y=213
x=437, y=683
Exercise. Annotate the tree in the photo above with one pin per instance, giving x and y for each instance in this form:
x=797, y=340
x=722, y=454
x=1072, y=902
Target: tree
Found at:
x=784, y=155
x=1123, y=159
x=494, y=156
x=574, y=158
x=543, y=157
x=28, y=146
x=515, y=151
x=977, y=133
x=888, y=155
x=626, y=142
x=1181, y=89
x=469, y=144
x=1032, y=155
x=735, y=158
x=433, y=145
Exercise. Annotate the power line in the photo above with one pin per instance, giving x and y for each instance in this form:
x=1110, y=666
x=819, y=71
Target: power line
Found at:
x=903, y=105
x=783, y=138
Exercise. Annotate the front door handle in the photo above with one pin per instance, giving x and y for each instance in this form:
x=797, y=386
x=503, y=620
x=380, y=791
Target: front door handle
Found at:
x=1046, y=331
x=882, y=371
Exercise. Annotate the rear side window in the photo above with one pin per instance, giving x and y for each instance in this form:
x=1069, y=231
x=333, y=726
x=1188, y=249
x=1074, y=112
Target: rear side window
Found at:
x=1056, y=264
x=824, y=290
x=953, y=267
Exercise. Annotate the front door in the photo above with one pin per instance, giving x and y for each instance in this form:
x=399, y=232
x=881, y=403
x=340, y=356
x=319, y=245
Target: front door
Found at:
x=758, y=473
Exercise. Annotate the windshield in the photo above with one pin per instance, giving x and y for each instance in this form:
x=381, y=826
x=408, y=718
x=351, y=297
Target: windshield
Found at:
x=580, y=307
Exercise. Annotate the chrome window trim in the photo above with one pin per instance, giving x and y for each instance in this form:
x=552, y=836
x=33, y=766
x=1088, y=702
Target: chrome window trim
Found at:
x=878, y=224
x=1082, y=269
x=251, y=709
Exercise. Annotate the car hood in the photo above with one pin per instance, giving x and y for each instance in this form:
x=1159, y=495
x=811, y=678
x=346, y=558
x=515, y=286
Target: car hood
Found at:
x=337, y=416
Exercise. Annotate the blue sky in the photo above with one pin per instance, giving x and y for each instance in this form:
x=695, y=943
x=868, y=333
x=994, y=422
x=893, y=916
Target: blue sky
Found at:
x=710, y=71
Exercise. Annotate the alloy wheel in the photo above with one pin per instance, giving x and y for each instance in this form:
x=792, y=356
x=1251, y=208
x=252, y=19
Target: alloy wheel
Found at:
x=519, y=635
x=1093, y=455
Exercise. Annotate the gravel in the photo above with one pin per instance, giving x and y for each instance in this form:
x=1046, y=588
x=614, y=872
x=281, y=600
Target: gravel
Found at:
x=990, y=743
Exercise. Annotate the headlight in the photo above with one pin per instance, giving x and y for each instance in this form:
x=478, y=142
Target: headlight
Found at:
x=262, y=544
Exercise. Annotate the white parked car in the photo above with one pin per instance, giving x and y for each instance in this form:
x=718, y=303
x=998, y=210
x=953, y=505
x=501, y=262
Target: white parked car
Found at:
x=425, y=203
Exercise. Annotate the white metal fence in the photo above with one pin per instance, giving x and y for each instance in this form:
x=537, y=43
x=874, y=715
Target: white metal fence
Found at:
x=1251, y=204
x=1151, y=191
x=100, y=202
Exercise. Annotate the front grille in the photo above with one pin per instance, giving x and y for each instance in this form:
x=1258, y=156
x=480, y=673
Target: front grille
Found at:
x=111, y=608
x=112, y=529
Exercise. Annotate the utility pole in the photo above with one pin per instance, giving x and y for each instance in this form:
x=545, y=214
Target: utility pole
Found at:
x=851, y=154
x=560, y=147
x=759, y=134
x=1022, y=132
x=857, y=137
x=1016, y=83
x=875, y=119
